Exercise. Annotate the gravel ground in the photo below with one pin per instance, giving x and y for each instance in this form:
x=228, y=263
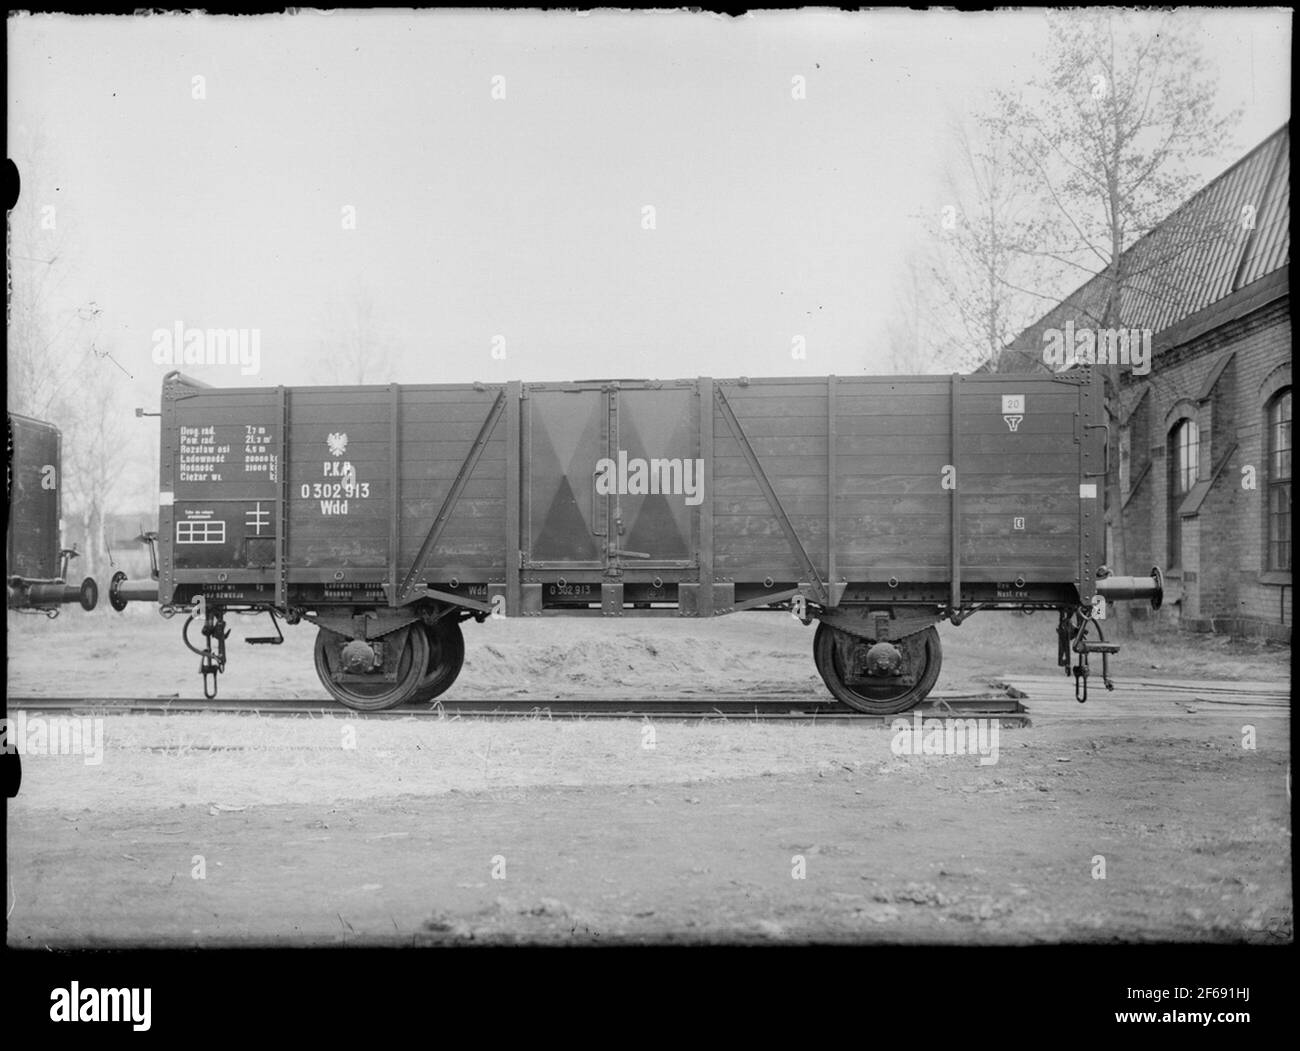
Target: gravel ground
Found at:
x=1129, y=820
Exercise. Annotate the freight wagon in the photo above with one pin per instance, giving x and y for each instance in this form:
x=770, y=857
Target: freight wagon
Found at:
x=36, y=562
x=878, y=507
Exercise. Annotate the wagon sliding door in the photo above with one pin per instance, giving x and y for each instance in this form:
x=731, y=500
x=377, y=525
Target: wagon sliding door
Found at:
x=657, y=427
x=565, y=434
x=612, y=477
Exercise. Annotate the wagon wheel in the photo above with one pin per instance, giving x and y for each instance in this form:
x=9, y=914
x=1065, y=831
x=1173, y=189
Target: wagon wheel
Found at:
x=372, y=697
x=921, y=660
x=446, y=655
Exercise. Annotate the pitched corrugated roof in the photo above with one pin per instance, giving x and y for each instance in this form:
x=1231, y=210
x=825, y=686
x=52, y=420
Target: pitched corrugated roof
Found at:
x=1178, y=268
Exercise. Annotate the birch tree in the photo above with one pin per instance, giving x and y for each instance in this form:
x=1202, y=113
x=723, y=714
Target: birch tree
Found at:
x=1110, y=135
x=979, y=259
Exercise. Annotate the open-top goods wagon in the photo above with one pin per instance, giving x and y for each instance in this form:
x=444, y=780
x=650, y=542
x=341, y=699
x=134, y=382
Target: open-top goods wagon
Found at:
x=388, y=515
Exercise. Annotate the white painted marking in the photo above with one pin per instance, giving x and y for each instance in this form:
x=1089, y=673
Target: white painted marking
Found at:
x=200, y=531
x=257, y=519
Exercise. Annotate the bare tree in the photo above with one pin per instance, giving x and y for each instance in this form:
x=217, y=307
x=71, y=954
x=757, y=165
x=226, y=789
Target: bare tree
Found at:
x=1110, y=134
x=356, y=346
x=54, y=373
x=42, y=326
x=978, y=259
x=910, y=329
x=962, y=295
x=95, y=453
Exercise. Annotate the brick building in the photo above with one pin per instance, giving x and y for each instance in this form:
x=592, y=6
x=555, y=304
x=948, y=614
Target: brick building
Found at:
x=1203, y=442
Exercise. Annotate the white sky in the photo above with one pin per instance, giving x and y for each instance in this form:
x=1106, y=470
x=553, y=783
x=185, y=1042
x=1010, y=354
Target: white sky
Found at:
x=521, y=217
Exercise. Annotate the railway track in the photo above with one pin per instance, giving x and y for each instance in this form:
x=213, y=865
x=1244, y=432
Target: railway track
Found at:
x=749, y=707
x=1261, y=696
x=1237, y=693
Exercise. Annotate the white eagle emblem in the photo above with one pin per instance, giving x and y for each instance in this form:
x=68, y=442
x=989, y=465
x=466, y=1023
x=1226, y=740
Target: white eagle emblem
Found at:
x=338, y=443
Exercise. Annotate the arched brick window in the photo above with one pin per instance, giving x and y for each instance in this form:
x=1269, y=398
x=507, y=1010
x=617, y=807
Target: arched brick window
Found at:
x=1184, y=464
x=1278, y=417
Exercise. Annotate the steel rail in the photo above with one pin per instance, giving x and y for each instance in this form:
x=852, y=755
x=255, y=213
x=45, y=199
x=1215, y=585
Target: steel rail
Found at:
x=762, y=708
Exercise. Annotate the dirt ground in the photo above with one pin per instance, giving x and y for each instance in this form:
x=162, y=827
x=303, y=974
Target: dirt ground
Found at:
x=1134, y=818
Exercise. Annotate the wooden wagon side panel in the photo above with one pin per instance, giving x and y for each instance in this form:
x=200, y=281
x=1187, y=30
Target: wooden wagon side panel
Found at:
x=927, y=480
x=340, y=495
x=369, y=493
x=1021, y=453
x=770, y=477
x=892, y=513
x=443, y=472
